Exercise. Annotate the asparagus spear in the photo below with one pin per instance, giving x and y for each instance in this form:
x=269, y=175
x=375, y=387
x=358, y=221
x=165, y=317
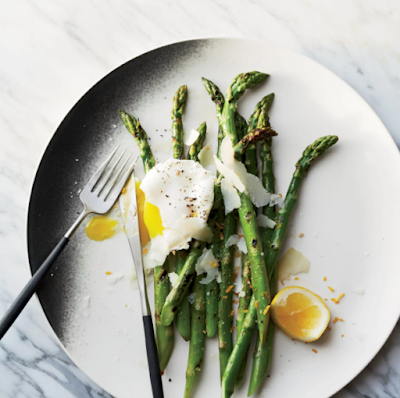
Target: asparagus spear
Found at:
x=196, y=147
x=235, y=91
x=134, y=127
x=164, y=334
x=218, y=98
x=226, y=321
x=196, y=347
x=241, y=131
x=263, y=353
x=241, y=82
x=247, y=214
x=259, y=278
x=225, y=311
x=179, y=103
x=178, y=292
x=225, y=302
x=183, y=312
x=239, y=352
x=251, y=152
x=250, y=139
x=241, y=126
x=311, y=153
x=257, y=120
x=189, y=329
x=212, y=289
x=244, y=301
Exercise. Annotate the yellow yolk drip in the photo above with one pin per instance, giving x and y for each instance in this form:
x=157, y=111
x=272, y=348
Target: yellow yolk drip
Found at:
x=298, y=315
x=100, y=228
x=152, y=219
x=141, y=200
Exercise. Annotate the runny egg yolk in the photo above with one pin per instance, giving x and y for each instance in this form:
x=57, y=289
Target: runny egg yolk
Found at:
x=141, y=200
x=153, y=220
x=100, y=228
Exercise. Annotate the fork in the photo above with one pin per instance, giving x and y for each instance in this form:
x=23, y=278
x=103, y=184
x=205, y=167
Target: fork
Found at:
x=98, y=196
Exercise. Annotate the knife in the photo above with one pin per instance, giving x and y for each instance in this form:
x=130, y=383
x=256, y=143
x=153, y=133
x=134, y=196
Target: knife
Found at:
x=130, y=217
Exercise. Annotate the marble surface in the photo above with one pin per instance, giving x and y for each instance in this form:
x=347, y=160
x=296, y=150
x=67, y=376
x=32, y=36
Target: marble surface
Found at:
x=52, y=52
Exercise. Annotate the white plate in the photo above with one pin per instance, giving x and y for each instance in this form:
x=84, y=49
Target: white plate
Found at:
x=348, y=211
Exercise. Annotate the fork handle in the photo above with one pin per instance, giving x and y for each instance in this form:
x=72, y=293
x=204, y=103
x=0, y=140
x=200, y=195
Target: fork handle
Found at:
x=30, y=288
x=152, y=358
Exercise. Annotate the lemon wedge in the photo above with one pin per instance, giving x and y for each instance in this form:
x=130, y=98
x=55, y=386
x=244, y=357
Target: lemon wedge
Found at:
x=300, y=313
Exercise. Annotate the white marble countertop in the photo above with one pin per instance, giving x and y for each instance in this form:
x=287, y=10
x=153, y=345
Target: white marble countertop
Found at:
x=53, y=52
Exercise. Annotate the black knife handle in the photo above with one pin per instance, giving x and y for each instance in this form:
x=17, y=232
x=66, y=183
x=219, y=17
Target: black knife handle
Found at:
x=152, y=358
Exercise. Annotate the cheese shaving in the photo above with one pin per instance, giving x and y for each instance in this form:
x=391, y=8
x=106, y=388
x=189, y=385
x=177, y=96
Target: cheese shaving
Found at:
x=265, y=222
x=230, y=195
x=205, y=265
x=206, y=158
x=229, y=174
x=236, y=172
x=259, y=196
x=292, y=263
x=176, y=239
x=241, y=245
x=190, y=137
x=276, y=200
x=173, y=277
x=232, y=240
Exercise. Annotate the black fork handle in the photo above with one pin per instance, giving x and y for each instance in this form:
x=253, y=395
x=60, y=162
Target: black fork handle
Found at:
x=30, y=288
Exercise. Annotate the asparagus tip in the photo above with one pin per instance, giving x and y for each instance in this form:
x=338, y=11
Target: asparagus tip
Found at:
x=122, y=113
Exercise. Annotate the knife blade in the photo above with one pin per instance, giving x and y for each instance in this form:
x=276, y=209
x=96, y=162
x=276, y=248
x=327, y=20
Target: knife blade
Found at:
x=130, y=218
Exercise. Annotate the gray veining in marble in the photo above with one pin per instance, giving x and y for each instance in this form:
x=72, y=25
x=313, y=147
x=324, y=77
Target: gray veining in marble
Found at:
x=52, y=52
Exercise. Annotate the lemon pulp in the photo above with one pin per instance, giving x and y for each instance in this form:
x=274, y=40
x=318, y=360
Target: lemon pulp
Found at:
x=299, y=315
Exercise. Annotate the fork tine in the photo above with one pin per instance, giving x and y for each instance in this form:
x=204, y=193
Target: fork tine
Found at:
x=121, y=169
x=116, y=190
x=96, y=176
x=116, y=177
x=104, y=181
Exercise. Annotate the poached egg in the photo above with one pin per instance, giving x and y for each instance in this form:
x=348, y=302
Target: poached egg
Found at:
x=174, y=201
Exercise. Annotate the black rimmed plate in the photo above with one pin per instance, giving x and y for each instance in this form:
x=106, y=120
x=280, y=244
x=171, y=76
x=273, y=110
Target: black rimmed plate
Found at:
x=347, y=210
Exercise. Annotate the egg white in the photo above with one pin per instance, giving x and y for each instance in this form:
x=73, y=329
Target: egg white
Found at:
x=183, y=191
